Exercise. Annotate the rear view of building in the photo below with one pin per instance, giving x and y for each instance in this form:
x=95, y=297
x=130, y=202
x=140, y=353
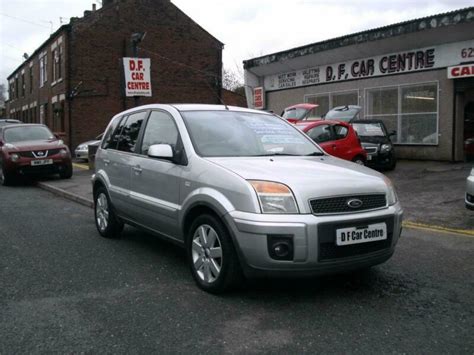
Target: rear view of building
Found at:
x=416, y=76
x=74, y=82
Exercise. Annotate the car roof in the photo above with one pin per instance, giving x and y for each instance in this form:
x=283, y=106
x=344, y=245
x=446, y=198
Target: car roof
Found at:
x=194, y=107
x=23, y=125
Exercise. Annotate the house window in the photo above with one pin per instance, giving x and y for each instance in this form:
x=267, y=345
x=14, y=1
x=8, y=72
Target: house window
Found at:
x=43, y=69
x=411, y=110
x=23, y=85
x=31, y=80
x=16, y=88
x=58, y=117
x=57, y=63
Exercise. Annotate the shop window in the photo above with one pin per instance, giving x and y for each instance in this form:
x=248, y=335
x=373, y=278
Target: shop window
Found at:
x=410, y=110
x=345, y=98
x=330, y=100
x=322, y=101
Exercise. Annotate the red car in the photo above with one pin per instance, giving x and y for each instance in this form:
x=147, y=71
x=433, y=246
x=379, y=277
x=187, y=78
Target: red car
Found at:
x=297, y=112
x=31, y=149
x=336, y=138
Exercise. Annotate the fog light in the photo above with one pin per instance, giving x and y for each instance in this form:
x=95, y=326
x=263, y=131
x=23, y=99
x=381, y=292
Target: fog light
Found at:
x=280, y=247
x=63, y=152
x=14, y=157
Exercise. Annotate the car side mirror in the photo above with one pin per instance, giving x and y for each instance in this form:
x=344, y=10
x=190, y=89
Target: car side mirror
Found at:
x=393, y=133
x=161, y=151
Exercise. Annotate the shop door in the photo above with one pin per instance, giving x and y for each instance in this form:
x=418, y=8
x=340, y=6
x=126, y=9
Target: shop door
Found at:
x=469, y=126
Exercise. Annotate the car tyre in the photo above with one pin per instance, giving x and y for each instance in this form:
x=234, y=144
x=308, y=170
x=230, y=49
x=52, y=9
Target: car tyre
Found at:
x=393, y=164
x=359, y=160
x=211, y=255
x=67, y=172
x=106, y=221
x=6, y=179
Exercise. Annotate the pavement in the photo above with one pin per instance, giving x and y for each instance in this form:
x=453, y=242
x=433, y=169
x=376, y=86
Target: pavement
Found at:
x=431, y=193
x=64, y=289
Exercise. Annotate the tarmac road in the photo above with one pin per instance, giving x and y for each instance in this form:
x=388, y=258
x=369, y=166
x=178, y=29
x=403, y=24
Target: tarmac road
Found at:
x=64, y=289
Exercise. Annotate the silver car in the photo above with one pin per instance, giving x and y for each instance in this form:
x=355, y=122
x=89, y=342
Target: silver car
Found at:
x=469, y=199
x=246, y=193
x=82, y=150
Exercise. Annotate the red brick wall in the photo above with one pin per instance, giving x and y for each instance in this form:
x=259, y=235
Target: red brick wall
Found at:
x=185, y=61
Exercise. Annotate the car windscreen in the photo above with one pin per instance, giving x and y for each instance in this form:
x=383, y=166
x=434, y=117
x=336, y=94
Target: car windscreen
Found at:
x=369, y=129
x=295, y=113
x=23, y=134
x=233, y=133
x=344, y=115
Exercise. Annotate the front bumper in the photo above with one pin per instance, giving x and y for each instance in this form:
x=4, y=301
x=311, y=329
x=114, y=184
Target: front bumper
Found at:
x=315, y=250
x=24, y=167
x=379, y=159
x=469, y=197
x=81, y=154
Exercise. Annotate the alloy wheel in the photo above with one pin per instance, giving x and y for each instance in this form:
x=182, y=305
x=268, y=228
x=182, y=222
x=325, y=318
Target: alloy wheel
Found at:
x=207, y=253
x=102, y=212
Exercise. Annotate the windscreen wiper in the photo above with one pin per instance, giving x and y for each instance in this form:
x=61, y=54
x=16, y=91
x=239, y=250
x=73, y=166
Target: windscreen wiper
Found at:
x=315, y=154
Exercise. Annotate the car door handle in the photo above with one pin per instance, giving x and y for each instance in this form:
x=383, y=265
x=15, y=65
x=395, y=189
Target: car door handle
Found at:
x=106, y=161
x=137, y=170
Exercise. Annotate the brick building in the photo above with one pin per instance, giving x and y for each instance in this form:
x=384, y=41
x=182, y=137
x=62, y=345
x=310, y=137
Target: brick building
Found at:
x=74, y=81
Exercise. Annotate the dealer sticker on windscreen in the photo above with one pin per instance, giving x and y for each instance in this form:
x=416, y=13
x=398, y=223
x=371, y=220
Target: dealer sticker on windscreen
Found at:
x=365, y=234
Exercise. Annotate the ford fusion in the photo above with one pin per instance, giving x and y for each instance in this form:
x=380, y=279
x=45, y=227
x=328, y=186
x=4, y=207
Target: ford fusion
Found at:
x=245, y=192
x=31, y=149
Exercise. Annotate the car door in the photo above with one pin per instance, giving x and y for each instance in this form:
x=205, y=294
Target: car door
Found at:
x=342, y=142
x=323, y=135
x=116, y=160
x=155, y=182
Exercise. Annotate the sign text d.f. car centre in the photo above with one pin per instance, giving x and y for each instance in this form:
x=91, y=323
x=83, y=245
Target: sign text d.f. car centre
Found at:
x=394, y=63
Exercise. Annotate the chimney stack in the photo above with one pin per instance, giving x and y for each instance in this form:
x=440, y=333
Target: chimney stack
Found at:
x=94, y=7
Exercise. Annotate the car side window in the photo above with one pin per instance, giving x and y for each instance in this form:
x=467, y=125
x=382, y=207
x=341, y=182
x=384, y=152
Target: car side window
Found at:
x=130, y=131
x=340, y=131
x=112, y=134
x=160, y=129
x=320, y=134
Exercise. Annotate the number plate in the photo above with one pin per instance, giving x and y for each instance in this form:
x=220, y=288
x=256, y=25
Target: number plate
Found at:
x=42, y=162
x=356, y=235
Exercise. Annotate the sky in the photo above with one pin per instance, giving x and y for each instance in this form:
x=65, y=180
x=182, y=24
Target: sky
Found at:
x=247, y=28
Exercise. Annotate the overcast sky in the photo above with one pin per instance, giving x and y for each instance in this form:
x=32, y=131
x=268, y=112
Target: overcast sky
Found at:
x=248, y=28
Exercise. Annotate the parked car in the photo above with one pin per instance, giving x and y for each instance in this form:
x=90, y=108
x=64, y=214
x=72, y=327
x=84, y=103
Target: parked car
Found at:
x=345, y=113
x=82, y=150
x=8, y=121
x=31, y=149
x=376, y=141
x=336, y=138
x=470, y=191
x=245, y=192
x=298, y=112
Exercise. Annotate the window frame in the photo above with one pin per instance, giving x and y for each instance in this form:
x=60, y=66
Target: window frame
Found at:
x=177, y=150
x=140, y=134
x=330, y=94
x=399, y=114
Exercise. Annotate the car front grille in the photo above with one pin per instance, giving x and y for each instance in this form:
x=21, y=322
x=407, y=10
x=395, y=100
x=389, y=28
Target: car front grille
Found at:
x=341, y=204
x=329, y=250
x=371, y=150
x=38, y=154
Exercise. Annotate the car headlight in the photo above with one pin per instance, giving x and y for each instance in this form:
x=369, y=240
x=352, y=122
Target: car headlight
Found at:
x=14, y=157
x=392, y=197
x=472, y=171
x=82, y=147
x=274, y=197
x=385, y=148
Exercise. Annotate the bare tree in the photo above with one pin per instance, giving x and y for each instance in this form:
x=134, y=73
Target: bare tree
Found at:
x=231, y=80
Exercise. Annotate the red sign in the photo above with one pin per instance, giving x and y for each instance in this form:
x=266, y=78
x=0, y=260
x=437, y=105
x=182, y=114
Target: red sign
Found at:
x=461, y=71
x=258, y=98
